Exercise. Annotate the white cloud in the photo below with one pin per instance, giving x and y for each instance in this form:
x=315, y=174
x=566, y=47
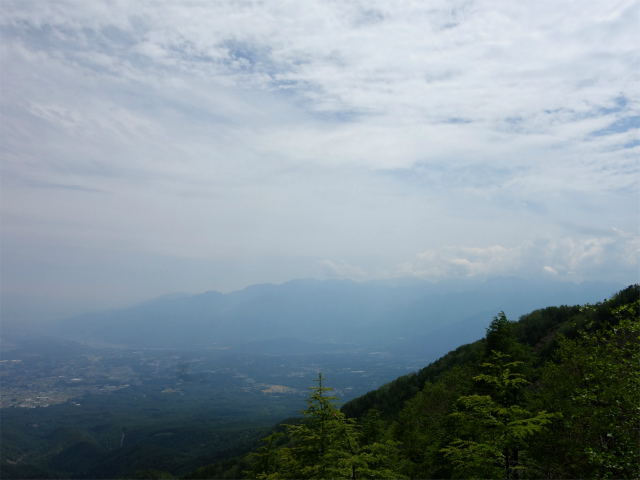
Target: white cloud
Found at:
x=569, y=258
x=340, y=269
x=361, y=131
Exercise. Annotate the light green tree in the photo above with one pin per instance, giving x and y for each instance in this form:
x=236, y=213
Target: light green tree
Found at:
x=493, y=429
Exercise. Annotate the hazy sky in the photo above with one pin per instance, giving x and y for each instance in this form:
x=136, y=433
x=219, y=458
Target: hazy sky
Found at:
x=155, y=146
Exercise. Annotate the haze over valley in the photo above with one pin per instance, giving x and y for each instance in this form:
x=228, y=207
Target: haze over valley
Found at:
x=266, y=338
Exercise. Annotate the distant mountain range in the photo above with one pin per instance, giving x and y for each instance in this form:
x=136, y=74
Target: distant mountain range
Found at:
x=402, y=316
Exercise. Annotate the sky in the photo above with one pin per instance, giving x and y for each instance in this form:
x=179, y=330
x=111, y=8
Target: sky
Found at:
x=151, y=147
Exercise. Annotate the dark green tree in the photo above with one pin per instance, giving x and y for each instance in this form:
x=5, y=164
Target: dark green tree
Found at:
x=325, y=445
x=595, y=383
x=267, y=457
x=374, y=429
x=501, y=338
x=422, y=427
x=327, y=442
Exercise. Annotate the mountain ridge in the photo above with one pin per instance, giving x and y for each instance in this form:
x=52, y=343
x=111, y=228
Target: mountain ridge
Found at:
x=326, y=312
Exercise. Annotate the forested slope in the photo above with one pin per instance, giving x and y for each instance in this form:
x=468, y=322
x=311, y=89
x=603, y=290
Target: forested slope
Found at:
x=536, y=330
x=553, y=395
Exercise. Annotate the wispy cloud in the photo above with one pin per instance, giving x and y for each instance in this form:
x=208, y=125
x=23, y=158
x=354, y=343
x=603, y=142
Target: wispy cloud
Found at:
x=280, y=134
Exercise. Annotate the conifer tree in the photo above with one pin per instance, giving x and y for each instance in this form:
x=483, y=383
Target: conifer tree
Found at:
x=501, y=338
x=325, y=445
x=494, y=428
x=327, y=442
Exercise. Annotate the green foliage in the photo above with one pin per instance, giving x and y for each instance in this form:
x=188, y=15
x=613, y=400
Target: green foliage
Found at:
x=494, y=428
x=374, y=429
x=538, y=328
x=176, y=434
x=476, y=414
x=325, y=445
x=501, y=338
x=268, y=456
x=390, y=398
x=422, y=425
x=326, y=442
x=595, y=383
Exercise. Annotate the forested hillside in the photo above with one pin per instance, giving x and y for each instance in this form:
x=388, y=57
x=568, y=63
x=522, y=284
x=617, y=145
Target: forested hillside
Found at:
x=535, y=331
x=553, y=395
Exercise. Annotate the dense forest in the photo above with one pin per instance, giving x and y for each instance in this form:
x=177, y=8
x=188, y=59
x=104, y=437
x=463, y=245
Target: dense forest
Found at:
x=553, y=395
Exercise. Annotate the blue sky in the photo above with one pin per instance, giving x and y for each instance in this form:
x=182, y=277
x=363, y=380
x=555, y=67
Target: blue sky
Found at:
x=151, y=147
